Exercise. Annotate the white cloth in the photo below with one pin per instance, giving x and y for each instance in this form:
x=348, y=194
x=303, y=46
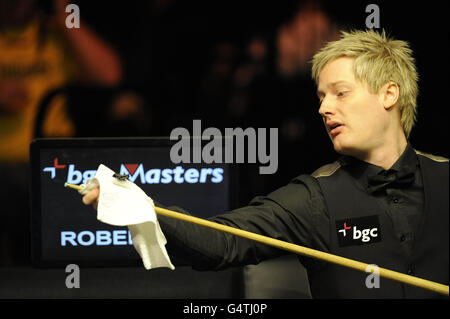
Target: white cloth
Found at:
x=123, y=203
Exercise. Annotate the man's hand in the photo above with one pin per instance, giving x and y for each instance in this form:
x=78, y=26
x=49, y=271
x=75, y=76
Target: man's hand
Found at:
x=91, y=197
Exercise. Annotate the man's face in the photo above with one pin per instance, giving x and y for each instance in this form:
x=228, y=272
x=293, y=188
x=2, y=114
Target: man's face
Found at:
x=354, y=118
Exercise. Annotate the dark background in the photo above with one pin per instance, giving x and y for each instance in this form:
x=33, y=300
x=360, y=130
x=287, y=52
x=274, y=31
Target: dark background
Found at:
x=170, y=48
x=183, y=58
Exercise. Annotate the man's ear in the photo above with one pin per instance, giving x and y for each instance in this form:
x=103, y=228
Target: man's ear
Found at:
x=389, y=95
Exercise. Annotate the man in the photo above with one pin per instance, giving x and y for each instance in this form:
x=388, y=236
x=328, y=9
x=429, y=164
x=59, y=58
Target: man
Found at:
x=382, y=202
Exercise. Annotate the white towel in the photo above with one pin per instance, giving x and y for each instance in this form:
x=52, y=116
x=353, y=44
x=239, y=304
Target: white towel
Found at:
x=123, y=203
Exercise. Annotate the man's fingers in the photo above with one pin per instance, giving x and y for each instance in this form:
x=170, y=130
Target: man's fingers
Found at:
x=91, y=197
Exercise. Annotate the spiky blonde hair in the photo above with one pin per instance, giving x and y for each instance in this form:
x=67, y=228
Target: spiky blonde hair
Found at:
x=378, y=60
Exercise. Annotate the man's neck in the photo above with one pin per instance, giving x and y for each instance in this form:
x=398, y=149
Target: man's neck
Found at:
x=386, y=155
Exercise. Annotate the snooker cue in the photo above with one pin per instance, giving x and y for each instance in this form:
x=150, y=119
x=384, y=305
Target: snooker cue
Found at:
x=342, y=261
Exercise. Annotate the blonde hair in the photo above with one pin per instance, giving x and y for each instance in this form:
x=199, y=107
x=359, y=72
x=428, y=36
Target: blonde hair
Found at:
x=378, y=60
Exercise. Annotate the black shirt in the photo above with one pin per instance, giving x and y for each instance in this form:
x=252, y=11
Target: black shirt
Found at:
x=403, y=204
x=207, y=249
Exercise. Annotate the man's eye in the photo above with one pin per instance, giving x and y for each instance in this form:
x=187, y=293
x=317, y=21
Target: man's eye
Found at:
x=340, y=94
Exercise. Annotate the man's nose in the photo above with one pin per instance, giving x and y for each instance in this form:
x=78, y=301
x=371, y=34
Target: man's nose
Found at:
x=326, y=107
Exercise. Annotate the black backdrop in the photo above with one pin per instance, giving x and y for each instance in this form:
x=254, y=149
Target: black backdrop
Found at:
x=170, y=47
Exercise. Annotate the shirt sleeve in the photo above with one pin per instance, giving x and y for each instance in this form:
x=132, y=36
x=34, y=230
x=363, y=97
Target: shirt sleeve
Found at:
x=290, y=214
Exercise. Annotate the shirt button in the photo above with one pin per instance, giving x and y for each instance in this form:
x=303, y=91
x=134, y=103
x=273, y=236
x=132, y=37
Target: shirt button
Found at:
x=402, y=238
x=395, y=200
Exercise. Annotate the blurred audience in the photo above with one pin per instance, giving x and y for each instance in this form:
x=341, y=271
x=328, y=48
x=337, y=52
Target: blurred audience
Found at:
x=38, y=54
x=301, y=37
x=266, y=83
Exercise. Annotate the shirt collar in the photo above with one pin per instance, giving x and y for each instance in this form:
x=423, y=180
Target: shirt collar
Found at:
x=360, y=170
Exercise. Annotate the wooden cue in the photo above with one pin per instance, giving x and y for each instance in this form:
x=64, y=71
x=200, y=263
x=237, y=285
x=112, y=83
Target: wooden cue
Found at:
x=407, y=279
x=386, y=273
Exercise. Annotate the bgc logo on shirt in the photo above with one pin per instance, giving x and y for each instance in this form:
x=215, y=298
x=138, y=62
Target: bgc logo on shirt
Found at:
x=358, y=231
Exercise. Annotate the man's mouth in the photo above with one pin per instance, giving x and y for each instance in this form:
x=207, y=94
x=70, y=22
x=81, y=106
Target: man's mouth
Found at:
x=334, y=128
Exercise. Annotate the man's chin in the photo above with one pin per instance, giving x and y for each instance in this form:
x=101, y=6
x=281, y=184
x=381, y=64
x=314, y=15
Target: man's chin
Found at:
x=350, y=150
x=343, y=148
